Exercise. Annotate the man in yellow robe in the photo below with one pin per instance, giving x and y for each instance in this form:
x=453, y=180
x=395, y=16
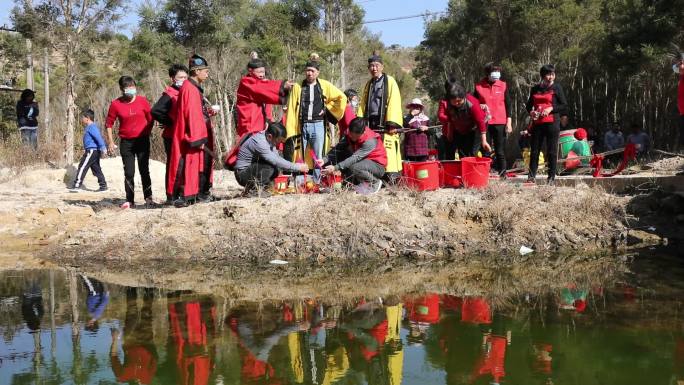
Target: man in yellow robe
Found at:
x=381, y=105
x=312, y=105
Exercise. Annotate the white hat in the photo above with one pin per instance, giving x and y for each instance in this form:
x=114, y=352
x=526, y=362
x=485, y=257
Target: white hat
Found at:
x=415, y=102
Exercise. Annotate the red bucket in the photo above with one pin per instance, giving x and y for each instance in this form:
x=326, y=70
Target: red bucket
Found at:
x=422, y=176
x=475, y=172
x=280, y=183
x=451, y=173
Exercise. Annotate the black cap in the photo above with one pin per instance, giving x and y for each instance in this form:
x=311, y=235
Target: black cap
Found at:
x=255, y=62
x=197, y=62
x=375, y=58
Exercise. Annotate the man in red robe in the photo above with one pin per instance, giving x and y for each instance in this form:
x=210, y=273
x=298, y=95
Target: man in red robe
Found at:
x=190, y=160
x=255, y=94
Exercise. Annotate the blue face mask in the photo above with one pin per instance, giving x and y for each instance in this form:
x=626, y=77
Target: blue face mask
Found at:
x=130, y=92
x=496, y=75
x=675, y=68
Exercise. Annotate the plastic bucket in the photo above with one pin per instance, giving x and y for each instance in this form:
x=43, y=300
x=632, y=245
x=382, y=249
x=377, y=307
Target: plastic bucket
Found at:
x=451, y=173
x=423, y=176
x=475, y=172
x=332, y=181
x=280, y=183
x=566, y=140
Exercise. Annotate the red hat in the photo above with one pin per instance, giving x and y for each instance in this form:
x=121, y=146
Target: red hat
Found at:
x=580, y=134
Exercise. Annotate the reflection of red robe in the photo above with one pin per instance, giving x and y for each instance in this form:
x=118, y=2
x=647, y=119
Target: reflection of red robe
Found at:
x=476, y=311
x=492, y=361
x=190, y=132
x=190, y=337
x=253, y=97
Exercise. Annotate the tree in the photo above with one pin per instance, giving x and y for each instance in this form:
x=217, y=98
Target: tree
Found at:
x=69, y=27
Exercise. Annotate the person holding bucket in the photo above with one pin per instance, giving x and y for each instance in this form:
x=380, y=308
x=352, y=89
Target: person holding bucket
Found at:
x=492, y=93
x=416, y=140
x=258, y=161
x=545, y=105
x=462, y=113
x=360, y=156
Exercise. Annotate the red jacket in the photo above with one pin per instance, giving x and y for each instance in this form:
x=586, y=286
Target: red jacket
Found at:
x=494, y=96
x=464, y=120
x=680, y=94
x=172, y=92
x=253, y=99
x=378, y=155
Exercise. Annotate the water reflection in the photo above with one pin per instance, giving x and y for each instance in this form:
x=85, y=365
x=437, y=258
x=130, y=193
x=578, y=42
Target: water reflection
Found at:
x=63, y=327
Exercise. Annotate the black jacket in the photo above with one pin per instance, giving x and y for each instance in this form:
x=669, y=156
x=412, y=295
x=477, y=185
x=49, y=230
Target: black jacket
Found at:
x=23, y=118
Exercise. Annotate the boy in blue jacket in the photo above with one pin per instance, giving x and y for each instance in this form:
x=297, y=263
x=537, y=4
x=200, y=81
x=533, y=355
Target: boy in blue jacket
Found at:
x=94, y=147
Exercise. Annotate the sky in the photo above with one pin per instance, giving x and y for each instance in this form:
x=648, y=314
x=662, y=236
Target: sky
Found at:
x=407, y=32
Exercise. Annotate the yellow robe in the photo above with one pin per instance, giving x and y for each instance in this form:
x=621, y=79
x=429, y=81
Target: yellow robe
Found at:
x=394, y=115
x=335, y=102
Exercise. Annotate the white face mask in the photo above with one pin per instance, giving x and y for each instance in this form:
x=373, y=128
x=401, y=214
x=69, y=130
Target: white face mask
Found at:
x=355, y=103
x=496, y=75
x=675, y=68
x=179, y=83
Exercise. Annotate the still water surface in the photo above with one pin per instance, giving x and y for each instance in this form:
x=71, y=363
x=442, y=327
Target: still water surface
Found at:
x=67, y=328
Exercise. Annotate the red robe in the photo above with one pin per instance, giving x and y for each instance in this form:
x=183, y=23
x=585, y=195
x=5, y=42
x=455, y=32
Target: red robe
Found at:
x=173, y=95
x=253, y=99
x=190, y=132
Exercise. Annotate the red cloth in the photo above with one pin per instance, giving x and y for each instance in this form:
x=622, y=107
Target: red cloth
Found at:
x=680, y=94
x=443, y=117
x=494, y=96
x=476, y=311
x=379, y=333
x=465, y=121
x=580, y=134
x=379, y=154
x=541, y=101
x=253, y=97
x=343, y=123
x=424, y=309
x=190, y=338
x=190, y=132
x=492, y=361
x=135, y=118
x=172, y=92
x=139, y=365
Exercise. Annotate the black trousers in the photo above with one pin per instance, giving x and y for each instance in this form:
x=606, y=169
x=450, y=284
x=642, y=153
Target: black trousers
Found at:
x=467, y=144
x=681, y=132
x=497, y=133
x=132, y=149
x=256, y=175
x=205, y=176
x=550, y=132
x=167, y=150
x=90, y=160
x=421, y=158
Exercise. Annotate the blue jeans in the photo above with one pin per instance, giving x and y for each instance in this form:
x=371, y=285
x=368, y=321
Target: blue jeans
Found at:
x=314, y=132
x=30, y=137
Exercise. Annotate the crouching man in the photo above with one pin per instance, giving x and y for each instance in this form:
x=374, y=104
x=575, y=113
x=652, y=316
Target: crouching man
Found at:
x=258, y=161
x=360, y=156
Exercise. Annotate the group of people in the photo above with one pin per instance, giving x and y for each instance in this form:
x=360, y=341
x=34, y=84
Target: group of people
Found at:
x=370, y=125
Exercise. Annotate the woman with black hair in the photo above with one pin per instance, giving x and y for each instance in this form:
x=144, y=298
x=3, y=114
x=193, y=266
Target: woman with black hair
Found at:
x=546, y=104
x=27, y=118
x=463, y=123
x=135, y=124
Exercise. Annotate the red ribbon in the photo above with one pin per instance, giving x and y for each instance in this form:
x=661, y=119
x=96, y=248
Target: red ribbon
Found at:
x=597, y=162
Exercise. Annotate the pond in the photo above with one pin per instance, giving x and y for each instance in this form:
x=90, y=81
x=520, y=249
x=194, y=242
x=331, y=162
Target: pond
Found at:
x=63, y=327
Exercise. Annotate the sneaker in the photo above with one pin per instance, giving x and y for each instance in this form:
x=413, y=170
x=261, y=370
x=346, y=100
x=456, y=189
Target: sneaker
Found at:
x=551, y=181
x=102, y=189
x=376, y=186
x=531, y=179
x=205, y=198
x=127, y=205
x=76, y=188
x=180, y=202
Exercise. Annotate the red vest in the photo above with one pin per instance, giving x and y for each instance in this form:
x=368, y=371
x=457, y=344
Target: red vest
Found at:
x=494, y=96
x=173, y=94
x=541, y=101
x=378, y=155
